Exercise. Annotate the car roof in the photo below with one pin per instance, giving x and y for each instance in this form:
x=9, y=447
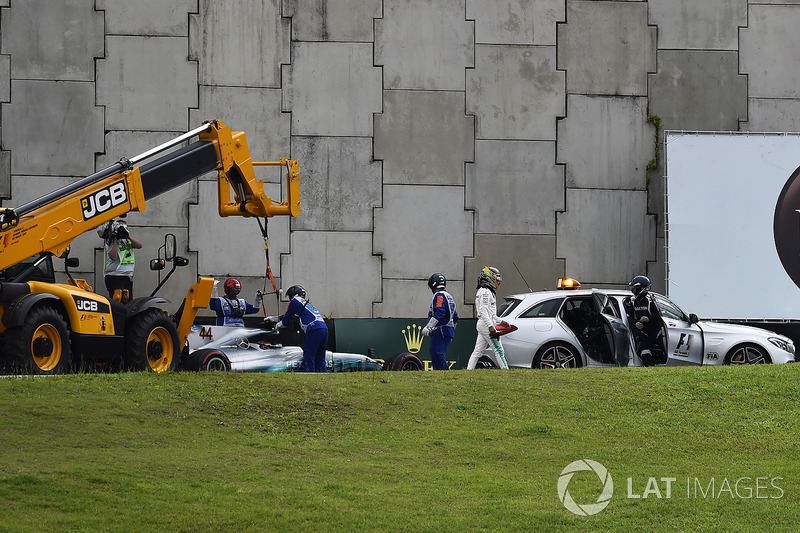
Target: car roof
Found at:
x=566, y=292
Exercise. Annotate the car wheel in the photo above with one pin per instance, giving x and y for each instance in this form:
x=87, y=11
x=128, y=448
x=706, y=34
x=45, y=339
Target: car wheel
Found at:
x=207, y=360
x=747, y=354
x=403, y=361
x=151, y=342
x=556, y=355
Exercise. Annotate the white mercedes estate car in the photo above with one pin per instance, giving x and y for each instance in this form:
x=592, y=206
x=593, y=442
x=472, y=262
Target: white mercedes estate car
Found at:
x=578, y=327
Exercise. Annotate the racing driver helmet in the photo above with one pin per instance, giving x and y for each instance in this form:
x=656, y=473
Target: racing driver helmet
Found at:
x=490, y=278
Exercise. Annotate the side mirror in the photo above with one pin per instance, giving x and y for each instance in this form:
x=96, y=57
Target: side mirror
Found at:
x=72, y=262
x=170, y=245
x=157, y=264
x=693, y=318
x=181, y=261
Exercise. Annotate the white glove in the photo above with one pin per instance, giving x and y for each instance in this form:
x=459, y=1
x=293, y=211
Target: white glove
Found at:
x=279, y=325
x=259, y=297
x=216, y=293
x=429, y=327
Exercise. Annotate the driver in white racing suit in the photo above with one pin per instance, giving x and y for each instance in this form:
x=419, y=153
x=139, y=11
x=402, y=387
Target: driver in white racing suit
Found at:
x=486, y=310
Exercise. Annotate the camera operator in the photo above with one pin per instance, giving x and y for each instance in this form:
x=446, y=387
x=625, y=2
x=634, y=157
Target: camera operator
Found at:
x=118, y=246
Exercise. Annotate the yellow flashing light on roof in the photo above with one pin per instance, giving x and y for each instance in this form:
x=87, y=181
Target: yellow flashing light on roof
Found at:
x=568, y=283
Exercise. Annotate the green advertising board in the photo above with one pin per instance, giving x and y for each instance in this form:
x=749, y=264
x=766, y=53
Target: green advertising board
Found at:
x=383, y=337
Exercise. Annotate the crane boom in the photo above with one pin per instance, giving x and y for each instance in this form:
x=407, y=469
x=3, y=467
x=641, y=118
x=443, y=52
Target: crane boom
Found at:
x=51, y=223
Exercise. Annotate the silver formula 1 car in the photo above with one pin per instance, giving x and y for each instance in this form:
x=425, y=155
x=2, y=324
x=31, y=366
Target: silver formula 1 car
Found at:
x=241, y=349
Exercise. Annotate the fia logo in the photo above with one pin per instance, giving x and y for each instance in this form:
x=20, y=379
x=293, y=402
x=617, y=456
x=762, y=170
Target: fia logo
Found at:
x=413, y=336
x=103, y=200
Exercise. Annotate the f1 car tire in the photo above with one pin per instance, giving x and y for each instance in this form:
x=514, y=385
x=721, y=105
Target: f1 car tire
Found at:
x=207, y=360
x=557, y=355
x=403, y=361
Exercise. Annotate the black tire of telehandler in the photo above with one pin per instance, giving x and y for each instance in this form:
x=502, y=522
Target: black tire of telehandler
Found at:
x=41, y=345
x=151, y=343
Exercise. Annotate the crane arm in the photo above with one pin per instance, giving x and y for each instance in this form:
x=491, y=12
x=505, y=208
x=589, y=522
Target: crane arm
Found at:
x=51, y=223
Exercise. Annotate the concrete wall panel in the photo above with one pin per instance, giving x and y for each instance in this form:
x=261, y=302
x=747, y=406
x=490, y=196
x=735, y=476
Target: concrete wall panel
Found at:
x=772, y=114
x=52, y=40
x=516, y=21
x=698, y=90
x=456, y=170
x=424, y=45
x=340, y=184
x=605, y=236
x=343, y=100
x=146, y=83
x=412, y=299
x=597, y=59
x=52, y=128
x=322, y=20
x=693, y=25
x=424, y=137
x=770, y=33
x=337, y=270
x=233, y=246
x=147, y=17
x=5, y=78
x=5, y=174
x=253, y=110
x=606, y=142
x=515, y=92
x=534, y=255
x=515, y=187
x=240, y=43
x=422, y=230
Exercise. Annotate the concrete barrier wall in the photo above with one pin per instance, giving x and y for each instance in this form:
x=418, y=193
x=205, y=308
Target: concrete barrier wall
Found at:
x=432, y=135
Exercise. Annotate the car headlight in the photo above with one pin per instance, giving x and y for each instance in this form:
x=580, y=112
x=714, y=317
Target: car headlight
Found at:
x=786, y=346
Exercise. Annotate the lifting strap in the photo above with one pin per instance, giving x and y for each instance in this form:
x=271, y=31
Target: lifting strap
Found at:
x=268, y=273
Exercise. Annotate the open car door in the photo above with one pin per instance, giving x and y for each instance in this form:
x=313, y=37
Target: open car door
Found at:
x=618, y=334
x=684, y=337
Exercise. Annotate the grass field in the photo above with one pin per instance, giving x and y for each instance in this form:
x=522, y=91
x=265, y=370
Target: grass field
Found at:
x=688, y=449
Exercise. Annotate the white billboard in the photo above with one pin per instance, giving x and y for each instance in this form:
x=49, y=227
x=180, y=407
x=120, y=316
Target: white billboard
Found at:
x=722, y=192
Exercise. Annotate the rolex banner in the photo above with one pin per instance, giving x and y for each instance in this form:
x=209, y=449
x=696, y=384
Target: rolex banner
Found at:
x=383, y=337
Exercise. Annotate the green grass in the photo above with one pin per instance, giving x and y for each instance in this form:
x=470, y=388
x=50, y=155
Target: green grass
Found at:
x=391, y=451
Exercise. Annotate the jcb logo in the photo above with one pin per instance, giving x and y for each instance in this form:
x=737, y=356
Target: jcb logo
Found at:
x=86, y=305
x=90, y=306
x=103, y=200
